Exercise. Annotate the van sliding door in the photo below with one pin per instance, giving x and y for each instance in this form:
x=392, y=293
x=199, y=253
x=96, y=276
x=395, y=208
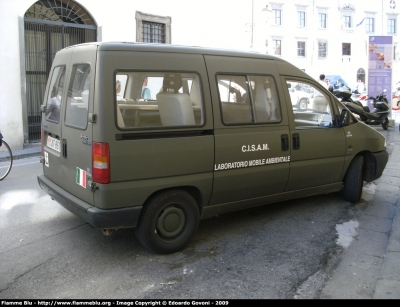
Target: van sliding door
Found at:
x=251, y=134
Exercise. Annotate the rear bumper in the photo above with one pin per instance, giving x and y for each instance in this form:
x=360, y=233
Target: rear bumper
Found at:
x=98, y=218
x=381, y=159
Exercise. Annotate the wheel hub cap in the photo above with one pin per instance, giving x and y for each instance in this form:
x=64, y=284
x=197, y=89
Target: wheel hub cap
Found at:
x=170, y=222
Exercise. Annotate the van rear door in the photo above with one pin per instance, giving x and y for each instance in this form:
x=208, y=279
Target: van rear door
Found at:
x=76, y=138
x=67, y=134
x=52, y=119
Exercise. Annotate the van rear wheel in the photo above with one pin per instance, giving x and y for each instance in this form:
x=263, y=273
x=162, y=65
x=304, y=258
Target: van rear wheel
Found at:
x=168, y=222
x=353, y=182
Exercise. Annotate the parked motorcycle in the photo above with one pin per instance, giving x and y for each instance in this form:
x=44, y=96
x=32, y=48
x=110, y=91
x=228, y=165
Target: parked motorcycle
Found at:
x=379, y=116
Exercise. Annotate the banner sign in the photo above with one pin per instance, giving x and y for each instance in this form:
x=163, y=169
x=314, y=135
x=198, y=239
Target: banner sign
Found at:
x=380, y=60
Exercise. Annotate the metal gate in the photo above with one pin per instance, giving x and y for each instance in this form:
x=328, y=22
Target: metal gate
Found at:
x=43, y=38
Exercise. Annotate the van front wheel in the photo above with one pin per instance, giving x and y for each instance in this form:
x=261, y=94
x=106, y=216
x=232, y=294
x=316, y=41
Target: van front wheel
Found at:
x=168, y=222
x=353, y=182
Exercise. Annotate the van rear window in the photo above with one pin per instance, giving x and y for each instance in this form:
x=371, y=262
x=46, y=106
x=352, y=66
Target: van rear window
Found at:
x=248, y=99
x=158, y=99
x=78, y=97
x=54, y=97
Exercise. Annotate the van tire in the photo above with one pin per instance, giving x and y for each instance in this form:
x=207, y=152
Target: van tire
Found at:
x=353, y=181
x=168, y=221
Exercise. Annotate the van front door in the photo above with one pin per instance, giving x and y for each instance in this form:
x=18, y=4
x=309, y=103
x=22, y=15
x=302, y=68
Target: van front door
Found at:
x=251, y=134
x=76, y=141
x=317, y=144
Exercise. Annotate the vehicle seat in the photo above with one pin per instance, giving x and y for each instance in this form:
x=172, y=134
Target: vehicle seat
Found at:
x=120, y=119
x=320, y=103
x=262, y=105
x=175, y=108
x=274, y=104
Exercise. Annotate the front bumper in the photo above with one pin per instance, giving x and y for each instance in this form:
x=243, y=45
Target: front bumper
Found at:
x=381, y=159
x=98, y=218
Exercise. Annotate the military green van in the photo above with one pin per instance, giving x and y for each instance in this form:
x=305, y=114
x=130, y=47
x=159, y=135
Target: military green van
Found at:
x=157, y=137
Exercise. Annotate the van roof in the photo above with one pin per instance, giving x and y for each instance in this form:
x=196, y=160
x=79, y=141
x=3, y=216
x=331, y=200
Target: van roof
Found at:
x=154, y=47
x=132, y=46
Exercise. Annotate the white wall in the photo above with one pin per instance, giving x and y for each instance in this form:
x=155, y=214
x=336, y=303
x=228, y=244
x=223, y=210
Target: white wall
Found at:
x=196, y=23
x=10, y=76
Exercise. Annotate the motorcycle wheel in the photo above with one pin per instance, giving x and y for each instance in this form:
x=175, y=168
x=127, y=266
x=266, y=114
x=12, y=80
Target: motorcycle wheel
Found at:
x=385, y=124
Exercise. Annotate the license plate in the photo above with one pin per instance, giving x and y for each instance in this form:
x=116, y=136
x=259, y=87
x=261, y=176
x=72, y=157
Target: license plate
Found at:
x=53, y=143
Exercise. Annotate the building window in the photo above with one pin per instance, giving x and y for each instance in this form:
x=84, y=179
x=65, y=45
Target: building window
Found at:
x=153, y=32
x=370, y=24
x=391, y=26
x=322, y=50
x=153, y=28
x=277, y=17
x=277, y=46
x=347, y=21
x=301, y=49
x=346, y=49
x=301, y=19
x=322, y=20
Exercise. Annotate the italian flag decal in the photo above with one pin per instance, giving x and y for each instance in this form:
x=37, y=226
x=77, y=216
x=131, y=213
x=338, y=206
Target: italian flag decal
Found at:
x=81, y=177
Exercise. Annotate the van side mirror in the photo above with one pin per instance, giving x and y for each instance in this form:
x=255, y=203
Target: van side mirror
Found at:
x=344, y=118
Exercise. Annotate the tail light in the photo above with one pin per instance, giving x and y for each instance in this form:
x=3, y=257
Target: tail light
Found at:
x=101, y=162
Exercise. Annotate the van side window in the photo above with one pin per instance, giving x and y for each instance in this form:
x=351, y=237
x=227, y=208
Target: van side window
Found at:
x=311, y=107
x=248, y=99
x=54, y=97
x=158, y=99
x=78, y=97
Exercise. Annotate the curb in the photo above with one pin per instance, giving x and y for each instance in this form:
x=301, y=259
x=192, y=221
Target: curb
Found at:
x=26, y=153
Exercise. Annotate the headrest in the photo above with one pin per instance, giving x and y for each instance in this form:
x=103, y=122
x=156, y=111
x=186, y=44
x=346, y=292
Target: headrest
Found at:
x=172, y=83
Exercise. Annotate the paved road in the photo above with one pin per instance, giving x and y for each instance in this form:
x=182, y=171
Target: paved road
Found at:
x=267, y=252
x=315, y=247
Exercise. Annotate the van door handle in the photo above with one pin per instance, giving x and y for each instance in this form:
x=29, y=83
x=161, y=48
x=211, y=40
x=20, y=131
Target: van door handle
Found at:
x=64, y=148
x=285, y=142
x=296, y=141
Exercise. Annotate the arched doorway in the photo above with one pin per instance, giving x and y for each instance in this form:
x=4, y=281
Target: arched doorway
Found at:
x=50, y=25
x=361, y=75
